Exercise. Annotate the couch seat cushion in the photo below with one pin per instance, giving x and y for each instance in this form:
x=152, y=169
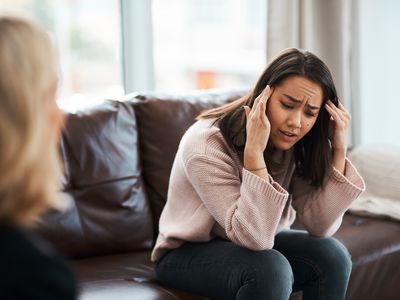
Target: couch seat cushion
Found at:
x=122, y=276
x=375, y=248
x=373, y=243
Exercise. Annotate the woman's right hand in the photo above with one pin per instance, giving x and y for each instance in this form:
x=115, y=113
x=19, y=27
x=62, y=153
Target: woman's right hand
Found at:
x=258, y=126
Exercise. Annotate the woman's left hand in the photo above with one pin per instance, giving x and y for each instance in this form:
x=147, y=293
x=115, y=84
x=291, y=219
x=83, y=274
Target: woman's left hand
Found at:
x=340, y=118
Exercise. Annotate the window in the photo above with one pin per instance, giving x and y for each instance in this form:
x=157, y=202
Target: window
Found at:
x=209, y=43
x=379, y=66
x=88, y=40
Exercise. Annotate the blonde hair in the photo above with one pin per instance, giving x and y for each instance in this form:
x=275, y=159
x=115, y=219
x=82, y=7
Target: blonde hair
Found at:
x=29, y=164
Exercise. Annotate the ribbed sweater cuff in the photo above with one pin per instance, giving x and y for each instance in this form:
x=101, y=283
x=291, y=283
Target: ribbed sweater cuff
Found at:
x=272, y=190
x=351, y=182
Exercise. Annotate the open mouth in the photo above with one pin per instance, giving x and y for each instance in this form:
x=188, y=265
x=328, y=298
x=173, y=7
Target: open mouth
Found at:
x=288, y=134
x=288, y=137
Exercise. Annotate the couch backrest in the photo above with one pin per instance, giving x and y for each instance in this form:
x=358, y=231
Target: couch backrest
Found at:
x=162, y=120
x=108, y=208
x=117, y=160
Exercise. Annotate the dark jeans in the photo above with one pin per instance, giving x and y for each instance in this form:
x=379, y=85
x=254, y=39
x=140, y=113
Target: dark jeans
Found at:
x=221, y=270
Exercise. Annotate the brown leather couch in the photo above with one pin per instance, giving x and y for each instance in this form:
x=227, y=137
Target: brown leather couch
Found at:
x=117, y=160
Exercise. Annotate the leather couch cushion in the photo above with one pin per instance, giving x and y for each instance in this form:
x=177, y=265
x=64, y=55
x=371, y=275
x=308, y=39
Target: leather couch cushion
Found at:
x=122, y=276
x=375, y=248
x=374, y=245
x=108, y=208
x=125, y=276
x=163, y=119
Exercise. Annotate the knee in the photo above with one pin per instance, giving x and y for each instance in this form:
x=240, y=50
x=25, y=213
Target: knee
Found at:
x=270, y=267
x=333, y=254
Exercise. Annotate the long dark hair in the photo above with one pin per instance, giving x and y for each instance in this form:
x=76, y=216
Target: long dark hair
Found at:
x=313, y=151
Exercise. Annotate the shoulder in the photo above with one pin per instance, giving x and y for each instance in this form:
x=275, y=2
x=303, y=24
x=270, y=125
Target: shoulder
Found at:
x=204, y=149
x=26, y=258
x=203, y=138
x=23, y=244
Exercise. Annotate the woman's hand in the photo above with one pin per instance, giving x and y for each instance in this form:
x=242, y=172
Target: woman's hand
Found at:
x=258, y=126
x=258, y=129
x=340, y=119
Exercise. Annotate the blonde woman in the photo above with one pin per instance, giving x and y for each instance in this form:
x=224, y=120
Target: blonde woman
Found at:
x=30, y=123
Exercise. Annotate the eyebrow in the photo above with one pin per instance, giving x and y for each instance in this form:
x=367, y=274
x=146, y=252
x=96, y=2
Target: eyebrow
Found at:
x=299, y=101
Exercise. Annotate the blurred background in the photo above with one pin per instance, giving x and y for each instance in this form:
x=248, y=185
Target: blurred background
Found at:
x=109, y=48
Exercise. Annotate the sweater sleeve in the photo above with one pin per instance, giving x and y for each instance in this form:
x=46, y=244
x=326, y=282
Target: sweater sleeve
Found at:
x=321, y=210
x=248, y=208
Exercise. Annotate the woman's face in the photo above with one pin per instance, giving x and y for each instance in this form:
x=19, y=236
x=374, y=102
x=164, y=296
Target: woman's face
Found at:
x=293, y=110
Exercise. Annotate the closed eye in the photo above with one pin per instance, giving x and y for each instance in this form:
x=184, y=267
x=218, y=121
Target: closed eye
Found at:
x=287, y=106
x=310, y=114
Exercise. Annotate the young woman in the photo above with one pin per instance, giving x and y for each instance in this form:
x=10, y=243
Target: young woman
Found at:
x=242, y=174
x=30, y=124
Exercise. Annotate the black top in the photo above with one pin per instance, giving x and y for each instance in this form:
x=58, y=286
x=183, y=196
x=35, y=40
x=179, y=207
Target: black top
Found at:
x=30, y=269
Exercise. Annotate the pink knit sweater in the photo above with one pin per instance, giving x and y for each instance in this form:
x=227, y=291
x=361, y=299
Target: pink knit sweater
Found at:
x=211, y=194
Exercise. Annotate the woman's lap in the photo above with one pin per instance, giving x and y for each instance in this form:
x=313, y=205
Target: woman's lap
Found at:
x=220, y=269
x=321, y=265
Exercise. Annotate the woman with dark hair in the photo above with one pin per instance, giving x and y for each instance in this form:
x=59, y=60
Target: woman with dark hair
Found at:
x=242, y=174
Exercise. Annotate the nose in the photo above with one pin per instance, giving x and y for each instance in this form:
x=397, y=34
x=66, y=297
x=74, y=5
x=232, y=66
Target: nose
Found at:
x=294, y=120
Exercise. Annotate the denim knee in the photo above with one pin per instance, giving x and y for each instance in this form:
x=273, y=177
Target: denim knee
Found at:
x=333, y=255
x=271, y=270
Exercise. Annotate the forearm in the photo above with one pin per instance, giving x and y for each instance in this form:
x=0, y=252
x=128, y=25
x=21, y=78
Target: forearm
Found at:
x=254, y=162
x=248, y=207
x=320, y=209
x=339, y=159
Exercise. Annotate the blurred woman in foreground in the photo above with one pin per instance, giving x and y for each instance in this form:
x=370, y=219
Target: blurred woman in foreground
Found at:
x=30, y=125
